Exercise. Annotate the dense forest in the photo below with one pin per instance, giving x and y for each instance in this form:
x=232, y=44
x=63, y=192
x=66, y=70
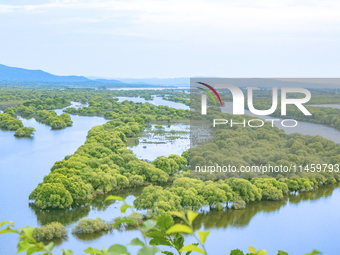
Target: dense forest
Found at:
x=13, y=96
x=104, y=164
x=31, y=103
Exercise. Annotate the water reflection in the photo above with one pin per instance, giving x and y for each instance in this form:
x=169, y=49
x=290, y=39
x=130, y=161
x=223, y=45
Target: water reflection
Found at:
x=94, y=236
x=207, y=220
x=81, y=209
x=64, y=216
x=156, y=100
x=242, y=218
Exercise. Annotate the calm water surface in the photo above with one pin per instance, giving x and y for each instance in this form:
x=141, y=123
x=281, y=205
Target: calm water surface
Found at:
x=297, y=225
x=304, y=128
x=337, y=106
x=156, y=101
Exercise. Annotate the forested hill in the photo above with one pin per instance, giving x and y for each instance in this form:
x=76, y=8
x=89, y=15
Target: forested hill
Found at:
x=16, y=75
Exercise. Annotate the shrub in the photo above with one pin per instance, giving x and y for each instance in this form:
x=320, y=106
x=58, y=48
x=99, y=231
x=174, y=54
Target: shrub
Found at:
x=137, y=217
x=89, y=226
x=24, y=132
x=50, y=231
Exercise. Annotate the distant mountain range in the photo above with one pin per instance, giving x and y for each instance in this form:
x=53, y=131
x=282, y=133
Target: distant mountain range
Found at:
x=184, y=82
x=20, y=76
x=15, y=74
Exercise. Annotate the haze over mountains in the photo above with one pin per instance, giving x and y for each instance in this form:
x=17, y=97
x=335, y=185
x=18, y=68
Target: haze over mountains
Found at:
x=15, y=75
x=21, y=76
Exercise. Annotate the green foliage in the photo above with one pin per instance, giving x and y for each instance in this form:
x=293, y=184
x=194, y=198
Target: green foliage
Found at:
x=51, y=119
x=53, y=230
x=103, y=163
x=133, y=220
x=259, y=252
x=142, y=113
x=186, y=193
x=236, y=252
x=52, y=195
x=271, y=189
x=181, y=161
x=171, y=164
x=24, y=132
x=90, y=226
x=247, y=191
x=27, y=242
x=9, y=122
x=314, y=252
x=44, y=103
x=11, y=111
x=264, y=146
x=100, y=165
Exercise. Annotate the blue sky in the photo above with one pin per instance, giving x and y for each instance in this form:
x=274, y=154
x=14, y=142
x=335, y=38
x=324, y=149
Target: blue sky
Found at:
x=172, y=38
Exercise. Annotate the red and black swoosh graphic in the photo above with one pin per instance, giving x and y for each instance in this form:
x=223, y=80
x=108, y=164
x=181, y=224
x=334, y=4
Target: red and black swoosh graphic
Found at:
x=213, y=90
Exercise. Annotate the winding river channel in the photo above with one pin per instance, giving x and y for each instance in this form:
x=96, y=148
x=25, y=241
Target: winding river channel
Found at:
x=298, y=224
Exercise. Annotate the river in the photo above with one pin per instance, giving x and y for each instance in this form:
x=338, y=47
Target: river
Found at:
x=297, y=225
x=304, y=128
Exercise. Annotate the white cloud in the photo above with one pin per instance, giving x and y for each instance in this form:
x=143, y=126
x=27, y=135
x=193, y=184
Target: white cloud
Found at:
x=140, y=29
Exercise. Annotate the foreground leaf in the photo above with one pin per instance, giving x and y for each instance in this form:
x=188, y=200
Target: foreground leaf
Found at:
x=5, y=222
x=27, y=231
x=124, y=220
x=315, y=252
x=49, y=246
x=179, y=228
x=164, y=222
x=192, y=247
x=109, y=198
x=178, y=214
x=147, y=225
x=24, y=245
x=252, y=249
x=167, y=252
x=124, y=207
x=35, y=248
x=136, y=241
x=67, y=252
x=92, y=251
x=148, y=250
x=191, y=216
x=117, y=249
x=178, y=241
x=8, y=230
x=203, y=235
